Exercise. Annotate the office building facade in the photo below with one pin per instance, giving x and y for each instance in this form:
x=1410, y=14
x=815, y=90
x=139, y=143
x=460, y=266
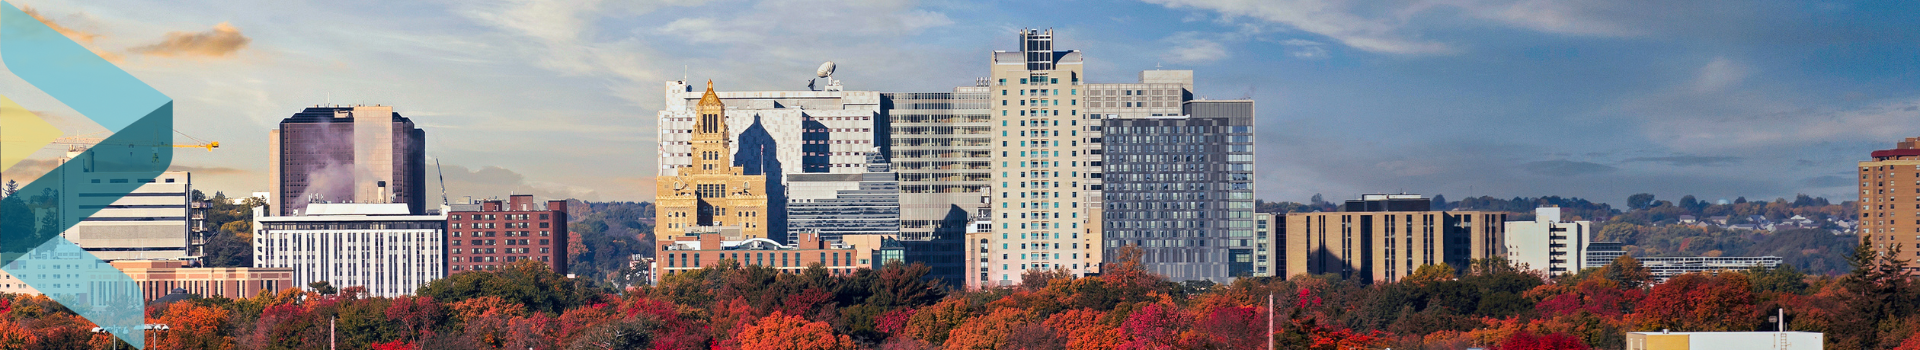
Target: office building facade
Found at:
x=358, y=154
x=487, y=234
x=1180, y=187
x=1386, y=237
x=382, y=247
x=1039, y=163
x=155, y=221
x=1884, y=209
x=823, y=129
x=1549, y=245
x=940, y=146
x=710, y=191
x=830, y=206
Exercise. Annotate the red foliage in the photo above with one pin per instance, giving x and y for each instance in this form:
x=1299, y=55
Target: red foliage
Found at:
x=393, y=345
x=893, y=322
x=1238, y=327
x=1154, y=327
x=1529, y=341
x=1594, y=295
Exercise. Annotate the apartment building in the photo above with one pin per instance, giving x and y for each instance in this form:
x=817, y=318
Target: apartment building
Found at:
x=486, y=234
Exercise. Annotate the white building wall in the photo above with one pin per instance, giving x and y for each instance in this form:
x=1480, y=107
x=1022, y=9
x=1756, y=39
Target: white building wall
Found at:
x=847, y=116
x=149, y=223
x=354, y=250
x=1549, y=244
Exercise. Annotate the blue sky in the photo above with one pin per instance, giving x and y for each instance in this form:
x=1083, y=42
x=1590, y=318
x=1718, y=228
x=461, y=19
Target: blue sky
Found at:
x=1597, y=99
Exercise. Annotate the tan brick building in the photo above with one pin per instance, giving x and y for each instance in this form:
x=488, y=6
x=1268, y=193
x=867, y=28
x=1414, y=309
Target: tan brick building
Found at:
x=1890, y=199
x=1388, y=237
x=711, y=191
x=159, y=277
x=707, y=248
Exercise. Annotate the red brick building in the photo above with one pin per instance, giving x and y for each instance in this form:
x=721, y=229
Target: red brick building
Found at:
x=486, y=234
x=697, y=250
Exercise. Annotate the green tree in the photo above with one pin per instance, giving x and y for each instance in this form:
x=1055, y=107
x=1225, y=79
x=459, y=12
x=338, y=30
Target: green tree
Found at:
x=322, y=287
x=1640, y=201
x=1627, y=271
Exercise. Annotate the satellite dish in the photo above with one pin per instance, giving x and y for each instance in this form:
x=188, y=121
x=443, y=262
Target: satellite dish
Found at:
x=825, y=70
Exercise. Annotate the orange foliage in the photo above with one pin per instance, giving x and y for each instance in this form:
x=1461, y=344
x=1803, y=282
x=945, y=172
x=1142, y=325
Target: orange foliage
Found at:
x=190, y=327
x=782, y=332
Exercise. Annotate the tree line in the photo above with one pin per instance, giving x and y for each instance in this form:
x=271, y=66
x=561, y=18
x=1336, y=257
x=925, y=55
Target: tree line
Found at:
x=1488, y=303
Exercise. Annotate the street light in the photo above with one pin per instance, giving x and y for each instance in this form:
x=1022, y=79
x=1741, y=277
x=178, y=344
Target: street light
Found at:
x=143, y=328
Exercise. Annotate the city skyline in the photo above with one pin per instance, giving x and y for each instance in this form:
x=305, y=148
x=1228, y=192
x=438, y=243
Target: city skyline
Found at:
x=1595, y=100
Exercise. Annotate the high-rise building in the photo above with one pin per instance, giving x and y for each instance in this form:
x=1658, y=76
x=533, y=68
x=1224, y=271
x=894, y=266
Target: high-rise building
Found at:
x=941, y=145
x=1039, y=166
x=378, y=246
x=1549, y=244
x=486, y=234
x=358, y=154
x=830, y=206
x=1386, y=237
x=824, y=129
x=1180, y=187
x=710, y=191
x=1883, y=213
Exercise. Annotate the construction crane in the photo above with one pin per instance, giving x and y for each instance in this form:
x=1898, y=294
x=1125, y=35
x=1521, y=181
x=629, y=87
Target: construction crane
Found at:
x=81, y=142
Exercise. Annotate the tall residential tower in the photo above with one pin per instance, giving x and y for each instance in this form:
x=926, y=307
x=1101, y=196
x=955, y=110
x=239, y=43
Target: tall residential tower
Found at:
x=1883, y=214
x=1039, y=164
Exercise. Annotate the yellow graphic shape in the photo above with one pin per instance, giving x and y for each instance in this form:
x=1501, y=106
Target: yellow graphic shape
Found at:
x=21, y=133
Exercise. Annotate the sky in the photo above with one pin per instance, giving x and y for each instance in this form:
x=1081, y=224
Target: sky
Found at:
x=1597, y=99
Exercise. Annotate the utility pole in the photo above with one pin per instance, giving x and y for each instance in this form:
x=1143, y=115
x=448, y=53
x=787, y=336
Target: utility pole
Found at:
x=332, y=333
x=1269, y=320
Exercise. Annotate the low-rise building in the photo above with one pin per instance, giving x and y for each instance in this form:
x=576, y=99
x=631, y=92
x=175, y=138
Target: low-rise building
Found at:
x=379, y=246
x=157, y=278
x=487, y=234
x=1725, y=340
x=1386, y=237
x=708, y=246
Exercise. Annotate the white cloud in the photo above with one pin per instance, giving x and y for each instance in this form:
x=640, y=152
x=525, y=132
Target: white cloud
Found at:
x=1338, y=20
x=1189, y=47
x=1305, y=49
x=1392, y=28
x=1719, y=74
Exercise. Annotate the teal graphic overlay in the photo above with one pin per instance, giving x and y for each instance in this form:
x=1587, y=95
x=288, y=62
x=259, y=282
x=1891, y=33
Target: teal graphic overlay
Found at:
x=31, y=221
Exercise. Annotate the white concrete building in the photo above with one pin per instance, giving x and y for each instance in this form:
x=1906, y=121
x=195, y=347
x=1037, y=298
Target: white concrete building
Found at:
x=378, y=246
x=1549, y=244
x=155, y=221
x=827, y=131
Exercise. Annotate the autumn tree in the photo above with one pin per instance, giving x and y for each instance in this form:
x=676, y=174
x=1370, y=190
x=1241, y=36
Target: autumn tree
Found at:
x=784, y=332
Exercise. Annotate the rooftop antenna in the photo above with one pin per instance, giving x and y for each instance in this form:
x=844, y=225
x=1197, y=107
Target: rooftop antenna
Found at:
x=443, y=180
